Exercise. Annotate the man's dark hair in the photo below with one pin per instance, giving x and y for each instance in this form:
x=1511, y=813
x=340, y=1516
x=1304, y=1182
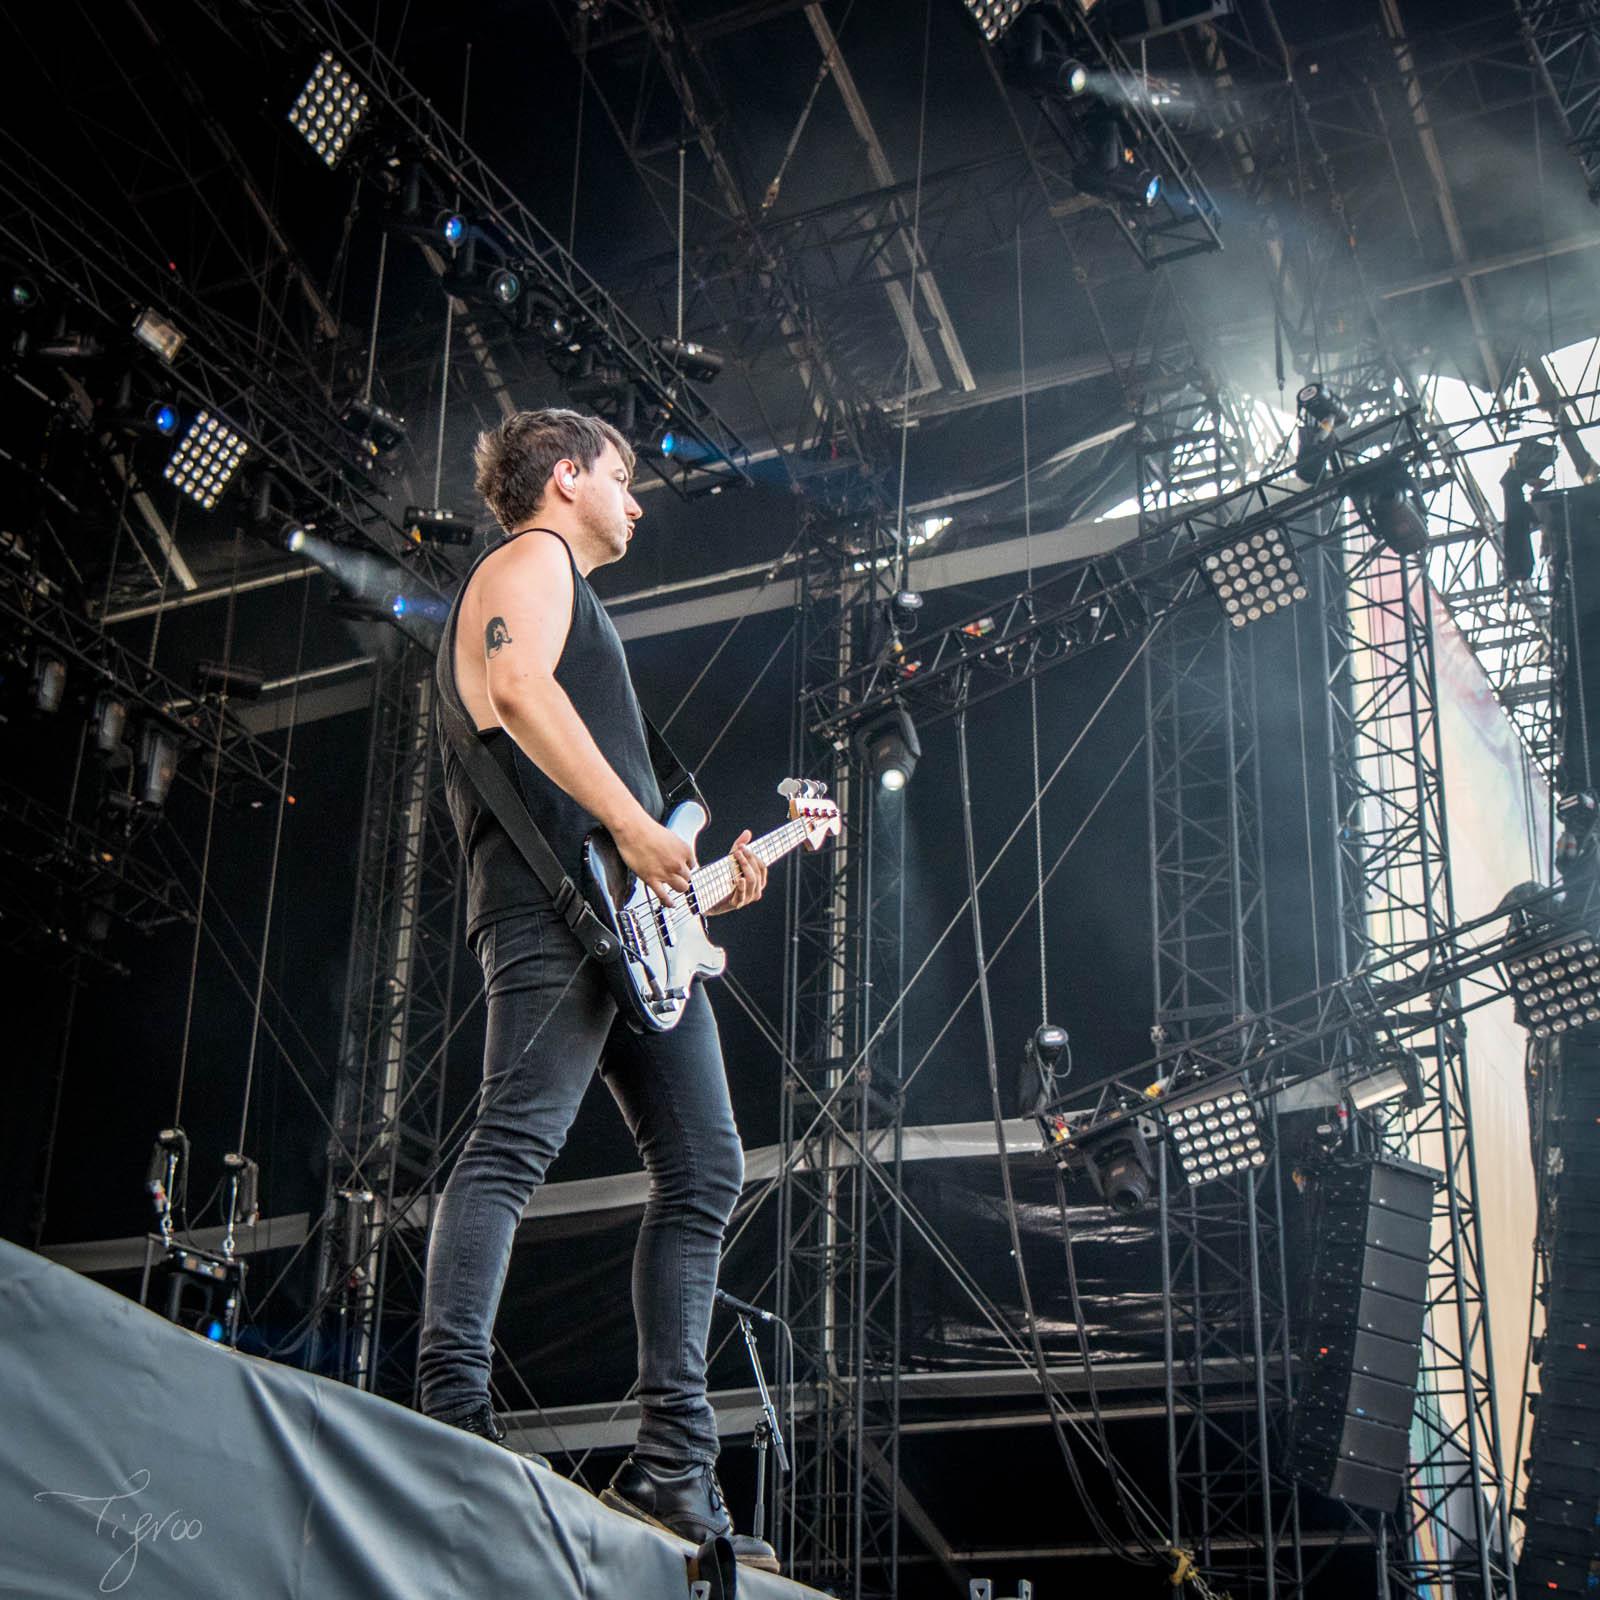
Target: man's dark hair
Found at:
x=514, y=461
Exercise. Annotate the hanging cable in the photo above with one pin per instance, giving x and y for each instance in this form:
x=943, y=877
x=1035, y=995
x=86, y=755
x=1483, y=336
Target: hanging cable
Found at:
x=682, y=152
x=205, y=854
x=1151, y=1550
x=1091, y=1386
x=577, y=135
x=272, y=872
x=902, y=542
x=377, y=307
x=444, y=395
x=1575, y=646
x=1033, y=681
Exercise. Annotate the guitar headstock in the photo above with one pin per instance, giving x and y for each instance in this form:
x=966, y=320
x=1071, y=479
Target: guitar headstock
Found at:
x=808, y=805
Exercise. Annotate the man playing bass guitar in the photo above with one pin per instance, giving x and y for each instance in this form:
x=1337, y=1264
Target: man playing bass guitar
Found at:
x=544, y=680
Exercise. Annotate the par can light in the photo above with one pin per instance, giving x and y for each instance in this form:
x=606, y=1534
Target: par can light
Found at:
x=1558, y=989
x=329, y=109
x=1254, y=577
x=1215, y=1132
x=205, y=460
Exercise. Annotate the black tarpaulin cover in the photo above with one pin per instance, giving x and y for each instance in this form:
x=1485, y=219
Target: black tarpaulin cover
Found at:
x=140, y=1460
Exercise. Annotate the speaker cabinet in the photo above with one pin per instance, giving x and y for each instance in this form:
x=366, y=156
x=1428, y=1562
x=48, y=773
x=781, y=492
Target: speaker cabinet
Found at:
x=1360, y=1357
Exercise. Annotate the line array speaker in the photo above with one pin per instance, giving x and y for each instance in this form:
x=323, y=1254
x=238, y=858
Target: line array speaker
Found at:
x=1360, y=1358
x=1561, y=1507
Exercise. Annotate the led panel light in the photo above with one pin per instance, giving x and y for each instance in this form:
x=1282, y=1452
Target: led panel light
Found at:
x=995, y=16
x=329, y=109
x=1254, y=577
x=1214, y=1132
x=205, y=460
x=1557, y=989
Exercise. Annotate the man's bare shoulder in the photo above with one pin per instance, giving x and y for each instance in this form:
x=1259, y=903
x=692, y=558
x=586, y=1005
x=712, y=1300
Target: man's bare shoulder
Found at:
x=534, y=559
x=533, y=552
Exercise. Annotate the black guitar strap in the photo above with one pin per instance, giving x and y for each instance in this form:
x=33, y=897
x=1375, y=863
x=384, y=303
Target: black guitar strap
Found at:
x=506, y=804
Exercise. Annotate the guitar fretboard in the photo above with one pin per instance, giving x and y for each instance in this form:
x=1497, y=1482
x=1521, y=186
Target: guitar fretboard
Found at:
x=711, y=885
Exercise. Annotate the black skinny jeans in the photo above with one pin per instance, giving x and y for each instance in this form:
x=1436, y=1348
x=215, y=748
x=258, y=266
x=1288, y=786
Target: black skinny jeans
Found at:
x=551, y=1022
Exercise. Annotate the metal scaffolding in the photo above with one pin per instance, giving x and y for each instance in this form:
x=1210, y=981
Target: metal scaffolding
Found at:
x=1397, y=890
x=1224, y=1292
x=385, y=1154
x=839, y=1221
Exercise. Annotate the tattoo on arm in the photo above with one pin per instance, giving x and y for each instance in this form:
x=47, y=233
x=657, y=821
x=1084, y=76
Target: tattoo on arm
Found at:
x=496, y=636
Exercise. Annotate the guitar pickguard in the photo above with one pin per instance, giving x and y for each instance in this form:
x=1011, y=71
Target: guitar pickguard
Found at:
x=664, y=948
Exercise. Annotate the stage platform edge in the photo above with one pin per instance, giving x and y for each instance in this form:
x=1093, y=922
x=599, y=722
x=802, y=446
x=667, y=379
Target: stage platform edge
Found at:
x=141, y=1460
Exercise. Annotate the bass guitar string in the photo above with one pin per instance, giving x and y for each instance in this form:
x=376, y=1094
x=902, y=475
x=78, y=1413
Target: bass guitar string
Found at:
x=719, y=875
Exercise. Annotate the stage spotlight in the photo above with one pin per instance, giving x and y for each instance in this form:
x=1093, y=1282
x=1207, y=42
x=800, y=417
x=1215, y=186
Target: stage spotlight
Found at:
x=694, y=361
x=1254, y=577
x=1114, y=169
x=157, y=765
x=452, y=227
x=292, y=536
x=1395, y=1074
x=905, y=610
x=380, y=432
x=1120, y=1168
x=49, y=682
x=995, y=16
x=1320, y=413
x=1389, y=505
x=890, y=749
x=329, y=109
x=23, y=296
x=156, y=416
x=435, y=525
x=69, y=344
x=664, y=442
x=1129, y=181
x=1214, y=1132
x=207, y=457
x=157, y=335
x=108, y=722
x=505, y=286
x=1038, y=57
x=541, y=314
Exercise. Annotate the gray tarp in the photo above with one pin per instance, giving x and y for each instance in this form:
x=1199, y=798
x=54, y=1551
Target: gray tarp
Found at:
x=141, y=1460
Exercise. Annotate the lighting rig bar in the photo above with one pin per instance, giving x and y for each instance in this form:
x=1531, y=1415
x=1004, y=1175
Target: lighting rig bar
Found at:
x=290, y=426
x=150, y=694
x=718, y=457
x=1115, y=596
x=1410, y=991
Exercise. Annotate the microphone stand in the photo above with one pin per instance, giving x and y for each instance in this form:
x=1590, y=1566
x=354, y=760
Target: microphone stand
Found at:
x=767, y=1430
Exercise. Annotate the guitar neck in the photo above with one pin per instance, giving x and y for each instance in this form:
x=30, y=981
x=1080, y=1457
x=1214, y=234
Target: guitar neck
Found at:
x=711, y=885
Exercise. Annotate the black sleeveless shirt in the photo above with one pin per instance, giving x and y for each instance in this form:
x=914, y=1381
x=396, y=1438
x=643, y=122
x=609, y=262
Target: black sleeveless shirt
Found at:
x=593, y=670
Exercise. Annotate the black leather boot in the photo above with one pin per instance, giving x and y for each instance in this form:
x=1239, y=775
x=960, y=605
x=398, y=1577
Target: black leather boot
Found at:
x=487, y=1425
x=686, y=1501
